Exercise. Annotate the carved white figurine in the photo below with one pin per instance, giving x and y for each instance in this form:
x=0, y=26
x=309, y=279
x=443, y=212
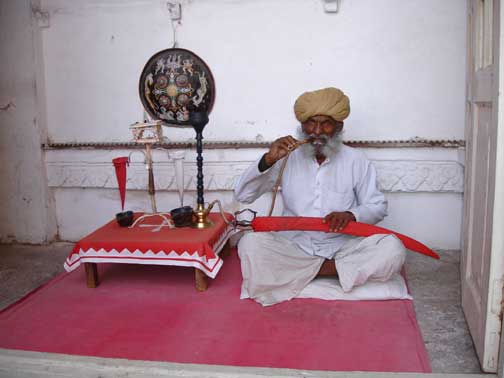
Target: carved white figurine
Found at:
x=201, y=91
x=173, y=62
x=149, y=80
x=183, y=114
x=188, y=66
x=160, y=66
x=166, y=115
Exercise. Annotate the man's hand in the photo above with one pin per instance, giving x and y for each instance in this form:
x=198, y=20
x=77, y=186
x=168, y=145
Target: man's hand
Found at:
x=279, y=148
x=338, y=220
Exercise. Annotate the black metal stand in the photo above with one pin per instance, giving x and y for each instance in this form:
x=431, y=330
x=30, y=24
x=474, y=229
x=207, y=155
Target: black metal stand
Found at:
x=199, y=121
x=199, y=163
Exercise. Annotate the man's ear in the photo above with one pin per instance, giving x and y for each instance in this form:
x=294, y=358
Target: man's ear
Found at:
x=339, y=126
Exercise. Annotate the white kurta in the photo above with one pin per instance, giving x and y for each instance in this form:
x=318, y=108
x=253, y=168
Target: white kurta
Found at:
x=276, y=266
x=344, y=182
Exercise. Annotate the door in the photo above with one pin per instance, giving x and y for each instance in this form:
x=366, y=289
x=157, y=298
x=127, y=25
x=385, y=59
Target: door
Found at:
x=482, y=255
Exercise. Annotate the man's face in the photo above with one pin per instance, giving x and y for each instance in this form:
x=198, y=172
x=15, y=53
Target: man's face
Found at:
x=324, y=135
x=321, y=128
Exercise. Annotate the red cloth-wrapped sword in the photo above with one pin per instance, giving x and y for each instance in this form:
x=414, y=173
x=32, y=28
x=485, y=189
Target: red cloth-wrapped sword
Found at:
x=263, y=224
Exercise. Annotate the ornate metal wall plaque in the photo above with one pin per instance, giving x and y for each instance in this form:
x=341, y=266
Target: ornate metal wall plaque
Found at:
x=174, y=83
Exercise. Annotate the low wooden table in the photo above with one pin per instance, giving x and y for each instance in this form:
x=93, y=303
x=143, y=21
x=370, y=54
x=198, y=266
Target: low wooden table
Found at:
x=185, y=246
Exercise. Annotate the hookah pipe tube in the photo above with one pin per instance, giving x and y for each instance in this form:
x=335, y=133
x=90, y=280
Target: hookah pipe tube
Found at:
x=280, y=174
x=152, y=190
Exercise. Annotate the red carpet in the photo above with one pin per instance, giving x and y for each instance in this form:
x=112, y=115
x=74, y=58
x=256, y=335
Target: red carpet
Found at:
x=154, y=313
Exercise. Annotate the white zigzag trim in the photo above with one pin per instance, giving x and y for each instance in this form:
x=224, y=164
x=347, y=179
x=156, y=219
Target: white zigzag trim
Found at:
x=210, y=266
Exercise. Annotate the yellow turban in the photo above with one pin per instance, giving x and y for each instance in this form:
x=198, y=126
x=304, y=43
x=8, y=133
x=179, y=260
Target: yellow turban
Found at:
x=330, y=102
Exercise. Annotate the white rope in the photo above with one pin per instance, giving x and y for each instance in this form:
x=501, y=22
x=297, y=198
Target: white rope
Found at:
x=167, y=221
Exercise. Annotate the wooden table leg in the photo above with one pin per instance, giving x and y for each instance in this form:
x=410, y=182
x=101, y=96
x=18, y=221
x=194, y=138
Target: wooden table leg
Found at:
x=201, y=280
x=91, y=275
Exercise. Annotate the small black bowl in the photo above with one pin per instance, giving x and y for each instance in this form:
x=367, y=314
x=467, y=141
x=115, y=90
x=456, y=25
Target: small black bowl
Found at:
x=182, y=216
x=125, y=219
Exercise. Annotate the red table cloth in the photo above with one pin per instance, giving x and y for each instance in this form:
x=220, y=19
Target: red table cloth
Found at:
x=168, y=246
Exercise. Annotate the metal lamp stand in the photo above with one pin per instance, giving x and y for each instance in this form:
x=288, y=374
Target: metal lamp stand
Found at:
x=198, y=120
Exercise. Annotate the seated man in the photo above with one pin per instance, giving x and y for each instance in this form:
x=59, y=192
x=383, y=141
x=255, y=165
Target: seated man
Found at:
x=322, y=178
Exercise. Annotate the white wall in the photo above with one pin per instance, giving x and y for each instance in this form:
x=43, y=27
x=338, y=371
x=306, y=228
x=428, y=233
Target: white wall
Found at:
x=401, y=62
x=27, y=208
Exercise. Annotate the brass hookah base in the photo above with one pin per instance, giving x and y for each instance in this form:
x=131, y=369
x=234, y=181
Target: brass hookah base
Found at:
x=201, y=220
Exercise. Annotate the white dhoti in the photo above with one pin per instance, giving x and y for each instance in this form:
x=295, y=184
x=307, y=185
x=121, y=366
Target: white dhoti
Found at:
x=275, y=269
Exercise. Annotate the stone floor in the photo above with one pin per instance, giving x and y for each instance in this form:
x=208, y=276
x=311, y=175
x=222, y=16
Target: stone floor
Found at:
x=435, y=285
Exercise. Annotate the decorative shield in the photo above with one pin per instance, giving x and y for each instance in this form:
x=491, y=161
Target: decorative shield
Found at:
x=174, y=83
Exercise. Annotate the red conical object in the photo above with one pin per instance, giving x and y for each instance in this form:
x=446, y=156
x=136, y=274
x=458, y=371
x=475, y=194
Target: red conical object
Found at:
x=120, y=164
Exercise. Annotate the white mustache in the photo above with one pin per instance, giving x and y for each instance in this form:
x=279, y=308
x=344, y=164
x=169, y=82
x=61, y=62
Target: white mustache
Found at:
x=318, y=140
x=320, y=144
